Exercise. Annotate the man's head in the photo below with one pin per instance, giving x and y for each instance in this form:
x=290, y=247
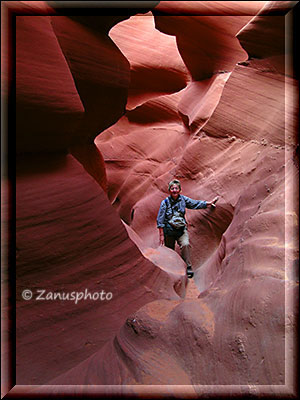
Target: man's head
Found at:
x=174, y=188
x=174, y=182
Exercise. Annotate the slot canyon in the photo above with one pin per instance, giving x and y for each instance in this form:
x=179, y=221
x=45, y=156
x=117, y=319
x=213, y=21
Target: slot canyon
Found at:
x=112, y=103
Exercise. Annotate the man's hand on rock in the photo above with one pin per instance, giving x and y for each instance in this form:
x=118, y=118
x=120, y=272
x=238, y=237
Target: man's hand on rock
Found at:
x=213, y=202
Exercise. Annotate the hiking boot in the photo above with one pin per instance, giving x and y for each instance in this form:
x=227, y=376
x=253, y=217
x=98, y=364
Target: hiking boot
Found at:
x=189, y=271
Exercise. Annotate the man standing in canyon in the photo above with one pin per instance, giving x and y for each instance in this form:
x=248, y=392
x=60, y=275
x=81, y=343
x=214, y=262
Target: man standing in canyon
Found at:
x=172, y=224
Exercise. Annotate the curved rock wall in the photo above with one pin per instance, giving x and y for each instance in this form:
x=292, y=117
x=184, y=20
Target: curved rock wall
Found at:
x=181, y=91
x=71, y=82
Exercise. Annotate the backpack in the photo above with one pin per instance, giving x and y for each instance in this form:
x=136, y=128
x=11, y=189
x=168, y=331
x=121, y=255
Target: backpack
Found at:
x=177, y=221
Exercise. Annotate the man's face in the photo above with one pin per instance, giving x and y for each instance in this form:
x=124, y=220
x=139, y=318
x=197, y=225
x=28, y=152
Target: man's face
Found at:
x=174, y=191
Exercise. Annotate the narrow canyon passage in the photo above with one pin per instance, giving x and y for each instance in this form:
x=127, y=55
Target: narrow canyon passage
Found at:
x=110, y=106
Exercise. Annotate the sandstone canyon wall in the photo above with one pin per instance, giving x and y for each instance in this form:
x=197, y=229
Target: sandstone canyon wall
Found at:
x=108, y=110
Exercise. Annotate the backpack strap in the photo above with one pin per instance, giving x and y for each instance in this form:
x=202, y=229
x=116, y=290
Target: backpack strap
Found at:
x=168, y=204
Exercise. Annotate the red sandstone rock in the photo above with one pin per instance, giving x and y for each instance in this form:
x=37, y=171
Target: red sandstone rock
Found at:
x=240, y=155
x=237, y=141
x=263, y=40
x=92, y=160
x=71, y=240
x=101, y=74
x=57, y=82
x=200, y=99
x=43, y=95
x=155, y=69
x=207, y=44
x=266, y=123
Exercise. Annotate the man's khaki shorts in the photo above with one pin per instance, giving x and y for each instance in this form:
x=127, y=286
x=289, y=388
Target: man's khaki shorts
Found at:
x=184, y=239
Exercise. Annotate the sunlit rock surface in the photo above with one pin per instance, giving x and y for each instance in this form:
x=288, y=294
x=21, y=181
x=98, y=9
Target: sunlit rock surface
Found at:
x=157, y=71
x=192, y=90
